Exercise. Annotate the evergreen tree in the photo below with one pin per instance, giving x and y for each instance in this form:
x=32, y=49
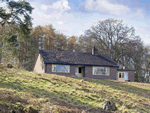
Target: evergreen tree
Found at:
x=16, y=14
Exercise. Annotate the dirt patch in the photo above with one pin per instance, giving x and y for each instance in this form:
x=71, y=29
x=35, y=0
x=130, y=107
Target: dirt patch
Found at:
x=94, y=110
x=62, y=80
x=11, y=97
x=83, y=89
x=64, y=107
x=32, y=110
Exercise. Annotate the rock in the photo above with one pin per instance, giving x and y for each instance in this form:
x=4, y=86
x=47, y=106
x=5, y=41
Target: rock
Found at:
x=9, y=66
x=113, y=106
x=81, y=80
x=109, y=106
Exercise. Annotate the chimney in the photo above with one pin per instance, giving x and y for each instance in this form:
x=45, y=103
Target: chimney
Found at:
x=74, y=50
x=94, y=51
x=124, y=67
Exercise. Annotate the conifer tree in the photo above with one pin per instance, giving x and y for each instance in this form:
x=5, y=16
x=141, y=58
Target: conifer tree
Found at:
x=16, y=15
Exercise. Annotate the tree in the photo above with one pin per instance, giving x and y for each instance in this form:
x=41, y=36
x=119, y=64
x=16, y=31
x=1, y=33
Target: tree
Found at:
x=49, y=36
x=86, y=43
x=16, y=14
x=110, y=33
x=60, y=42
x=72, y=43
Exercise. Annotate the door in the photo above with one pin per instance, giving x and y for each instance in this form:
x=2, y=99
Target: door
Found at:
x=126, y=75
x=121, y=76
x=79, y=71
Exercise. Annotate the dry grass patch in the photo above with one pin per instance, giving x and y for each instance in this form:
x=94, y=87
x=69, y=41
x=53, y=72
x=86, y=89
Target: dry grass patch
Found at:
x=24, y=91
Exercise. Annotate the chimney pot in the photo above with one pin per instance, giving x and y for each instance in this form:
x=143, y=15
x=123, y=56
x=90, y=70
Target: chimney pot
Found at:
x=124, y=67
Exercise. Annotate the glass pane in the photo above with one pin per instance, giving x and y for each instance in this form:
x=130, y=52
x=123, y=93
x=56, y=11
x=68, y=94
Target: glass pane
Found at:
x=94, y=70
x=99, y=70
x=62, y=68
x=54, y=68
x=119, y=75
x=107, y=71
x=76, y=70
x=122, y=75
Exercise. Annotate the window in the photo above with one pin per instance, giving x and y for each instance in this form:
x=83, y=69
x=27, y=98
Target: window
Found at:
x=121, y=74
x=100, y=70
x=76, y=70
x=61, y=68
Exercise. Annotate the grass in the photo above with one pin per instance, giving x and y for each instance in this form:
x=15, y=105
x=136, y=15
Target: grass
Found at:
x=22, y=91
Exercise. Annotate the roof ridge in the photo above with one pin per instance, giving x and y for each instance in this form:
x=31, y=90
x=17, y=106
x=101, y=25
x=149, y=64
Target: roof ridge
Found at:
x=74, y=52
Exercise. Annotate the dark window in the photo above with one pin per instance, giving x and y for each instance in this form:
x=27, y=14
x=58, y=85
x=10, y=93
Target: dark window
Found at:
x=119, y=75
x=79, y=69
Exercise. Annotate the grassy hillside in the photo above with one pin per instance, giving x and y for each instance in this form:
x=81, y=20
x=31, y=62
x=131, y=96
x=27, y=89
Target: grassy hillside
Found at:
x=23, y=91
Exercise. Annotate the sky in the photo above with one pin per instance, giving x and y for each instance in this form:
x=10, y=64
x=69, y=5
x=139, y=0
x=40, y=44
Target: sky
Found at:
x=73, y=17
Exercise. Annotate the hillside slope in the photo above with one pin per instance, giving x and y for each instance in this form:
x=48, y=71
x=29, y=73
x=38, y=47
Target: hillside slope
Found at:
x=22, y=91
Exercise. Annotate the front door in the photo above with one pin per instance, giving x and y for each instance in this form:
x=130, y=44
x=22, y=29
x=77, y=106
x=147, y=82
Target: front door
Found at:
x=79, y=71
x=126, y=75
x=121, y=76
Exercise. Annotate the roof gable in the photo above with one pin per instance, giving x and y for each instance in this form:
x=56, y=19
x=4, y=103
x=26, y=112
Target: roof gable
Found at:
x=76, y=58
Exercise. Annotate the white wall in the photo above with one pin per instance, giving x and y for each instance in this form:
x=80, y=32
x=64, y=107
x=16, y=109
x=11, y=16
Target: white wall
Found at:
x=39, y=66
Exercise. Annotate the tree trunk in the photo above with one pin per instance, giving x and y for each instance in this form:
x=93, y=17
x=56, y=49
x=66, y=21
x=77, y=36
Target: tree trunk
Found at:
x=1, y=43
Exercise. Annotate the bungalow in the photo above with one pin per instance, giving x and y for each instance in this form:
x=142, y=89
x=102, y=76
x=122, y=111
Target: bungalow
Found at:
x=82, y=64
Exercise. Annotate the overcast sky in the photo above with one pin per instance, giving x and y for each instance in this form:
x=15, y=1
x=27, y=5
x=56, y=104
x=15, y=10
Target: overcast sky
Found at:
x=73, y=17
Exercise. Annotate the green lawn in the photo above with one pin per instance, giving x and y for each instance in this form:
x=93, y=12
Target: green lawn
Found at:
x=24, y=91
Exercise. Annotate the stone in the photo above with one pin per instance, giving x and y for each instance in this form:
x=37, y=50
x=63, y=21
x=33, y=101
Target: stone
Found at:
x=9, y=66
x=109, y=106
x=81, y=80
x=113, y=106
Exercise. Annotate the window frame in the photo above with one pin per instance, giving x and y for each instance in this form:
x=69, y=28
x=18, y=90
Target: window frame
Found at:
x=101, y=74
x=59, y=71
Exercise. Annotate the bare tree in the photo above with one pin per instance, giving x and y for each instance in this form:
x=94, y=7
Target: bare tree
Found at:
x=110, y=34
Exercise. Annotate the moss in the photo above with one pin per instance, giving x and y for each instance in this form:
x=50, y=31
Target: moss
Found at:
x=39, y=90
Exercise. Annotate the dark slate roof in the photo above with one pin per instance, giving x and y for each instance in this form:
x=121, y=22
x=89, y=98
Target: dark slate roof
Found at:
x=125, y=70
x=76, y=58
